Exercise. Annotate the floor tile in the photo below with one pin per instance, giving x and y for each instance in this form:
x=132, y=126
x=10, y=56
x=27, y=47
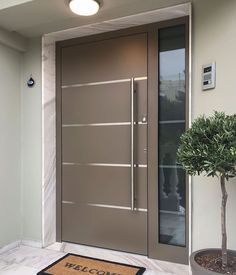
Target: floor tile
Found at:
x=26, y=260
x=15, y=269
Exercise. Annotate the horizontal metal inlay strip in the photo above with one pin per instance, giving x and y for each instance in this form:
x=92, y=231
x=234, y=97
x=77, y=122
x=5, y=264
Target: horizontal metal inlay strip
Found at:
x=171, y=121
x=107, y=206
x=116, y=207
x=68, y=202
x=104, y=164
x=104, y=124
x=103, y=82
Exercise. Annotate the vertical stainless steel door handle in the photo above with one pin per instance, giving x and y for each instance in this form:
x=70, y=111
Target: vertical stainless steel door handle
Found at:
x=132, y=145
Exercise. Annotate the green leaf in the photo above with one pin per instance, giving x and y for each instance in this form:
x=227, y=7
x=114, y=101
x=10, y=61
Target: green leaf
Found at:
x=209, y=146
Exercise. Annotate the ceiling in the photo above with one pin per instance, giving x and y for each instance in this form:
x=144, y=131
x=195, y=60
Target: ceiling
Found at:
x=32, y=18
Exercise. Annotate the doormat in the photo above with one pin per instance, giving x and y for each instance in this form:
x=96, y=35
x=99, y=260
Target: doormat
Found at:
x=72, y=264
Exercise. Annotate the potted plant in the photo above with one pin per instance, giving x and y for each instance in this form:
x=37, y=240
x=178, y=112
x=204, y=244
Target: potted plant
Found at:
x=209, y=147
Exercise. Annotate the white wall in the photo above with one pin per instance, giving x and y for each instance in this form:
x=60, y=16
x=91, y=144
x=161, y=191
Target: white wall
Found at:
x=20, y=142
x=13, y=40
x=31, y=150
x=10, y=208
x=214, y=39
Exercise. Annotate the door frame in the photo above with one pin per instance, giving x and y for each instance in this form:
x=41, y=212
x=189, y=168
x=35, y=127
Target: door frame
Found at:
x=155, y=249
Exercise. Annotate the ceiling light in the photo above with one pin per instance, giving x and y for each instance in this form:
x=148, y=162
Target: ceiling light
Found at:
x=84, y=7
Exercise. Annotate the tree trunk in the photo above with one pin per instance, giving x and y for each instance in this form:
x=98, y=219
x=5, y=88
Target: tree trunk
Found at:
x=223, y=222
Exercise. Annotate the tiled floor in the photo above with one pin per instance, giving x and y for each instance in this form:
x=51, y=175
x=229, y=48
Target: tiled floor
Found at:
x=25, y=260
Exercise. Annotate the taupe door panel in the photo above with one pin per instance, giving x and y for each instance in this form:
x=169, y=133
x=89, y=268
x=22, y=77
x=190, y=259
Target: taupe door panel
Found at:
x=105, y=227
x=112, y=59
x=107, y=103
x=102, y=144
x=97, y=181
x=103, y=185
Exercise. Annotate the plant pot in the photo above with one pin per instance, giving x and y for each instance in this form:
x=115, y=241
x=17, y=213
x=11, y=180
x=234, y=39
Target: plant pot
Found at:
x=199, y=270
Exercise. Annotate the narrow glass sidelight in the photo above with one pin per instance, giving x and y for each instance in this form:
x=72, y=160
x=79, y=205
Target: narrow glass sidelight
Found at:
x=171, y=124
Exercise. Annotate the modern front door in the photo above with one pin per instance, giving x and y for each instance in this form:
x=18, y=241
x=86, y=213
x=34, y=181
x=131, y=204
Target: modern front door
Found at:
x=104, y=143
x=122, y=105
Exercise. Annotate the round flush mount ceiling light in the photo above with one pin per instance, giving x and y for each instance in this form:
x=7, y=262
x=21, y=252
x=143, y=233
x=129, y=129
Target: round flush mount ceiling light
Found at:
x=84, y=7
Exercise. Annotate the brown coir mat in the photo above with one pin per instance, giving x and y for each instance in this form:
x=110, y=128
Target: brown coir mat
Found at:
x=72, y=264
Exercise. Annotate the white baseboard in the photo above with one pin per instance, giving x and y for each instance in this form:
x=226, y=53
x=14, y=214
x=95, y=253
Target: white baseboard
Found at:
x=10, y=246
x=31, y=243
x=56, y=246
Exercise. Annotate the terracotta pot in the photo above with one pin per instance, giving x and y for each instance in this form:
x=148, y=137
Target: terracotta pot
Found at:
x=199, y=270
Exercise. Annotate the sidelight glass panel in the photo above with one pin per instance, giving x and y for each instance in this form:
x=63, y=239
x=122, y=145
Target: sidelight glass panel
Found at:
x=171, y=118
x=169, y=135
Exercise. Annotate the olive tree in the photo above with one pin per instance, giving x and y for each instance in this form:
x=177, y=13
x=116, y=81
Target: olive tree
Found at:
x=209, y=147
